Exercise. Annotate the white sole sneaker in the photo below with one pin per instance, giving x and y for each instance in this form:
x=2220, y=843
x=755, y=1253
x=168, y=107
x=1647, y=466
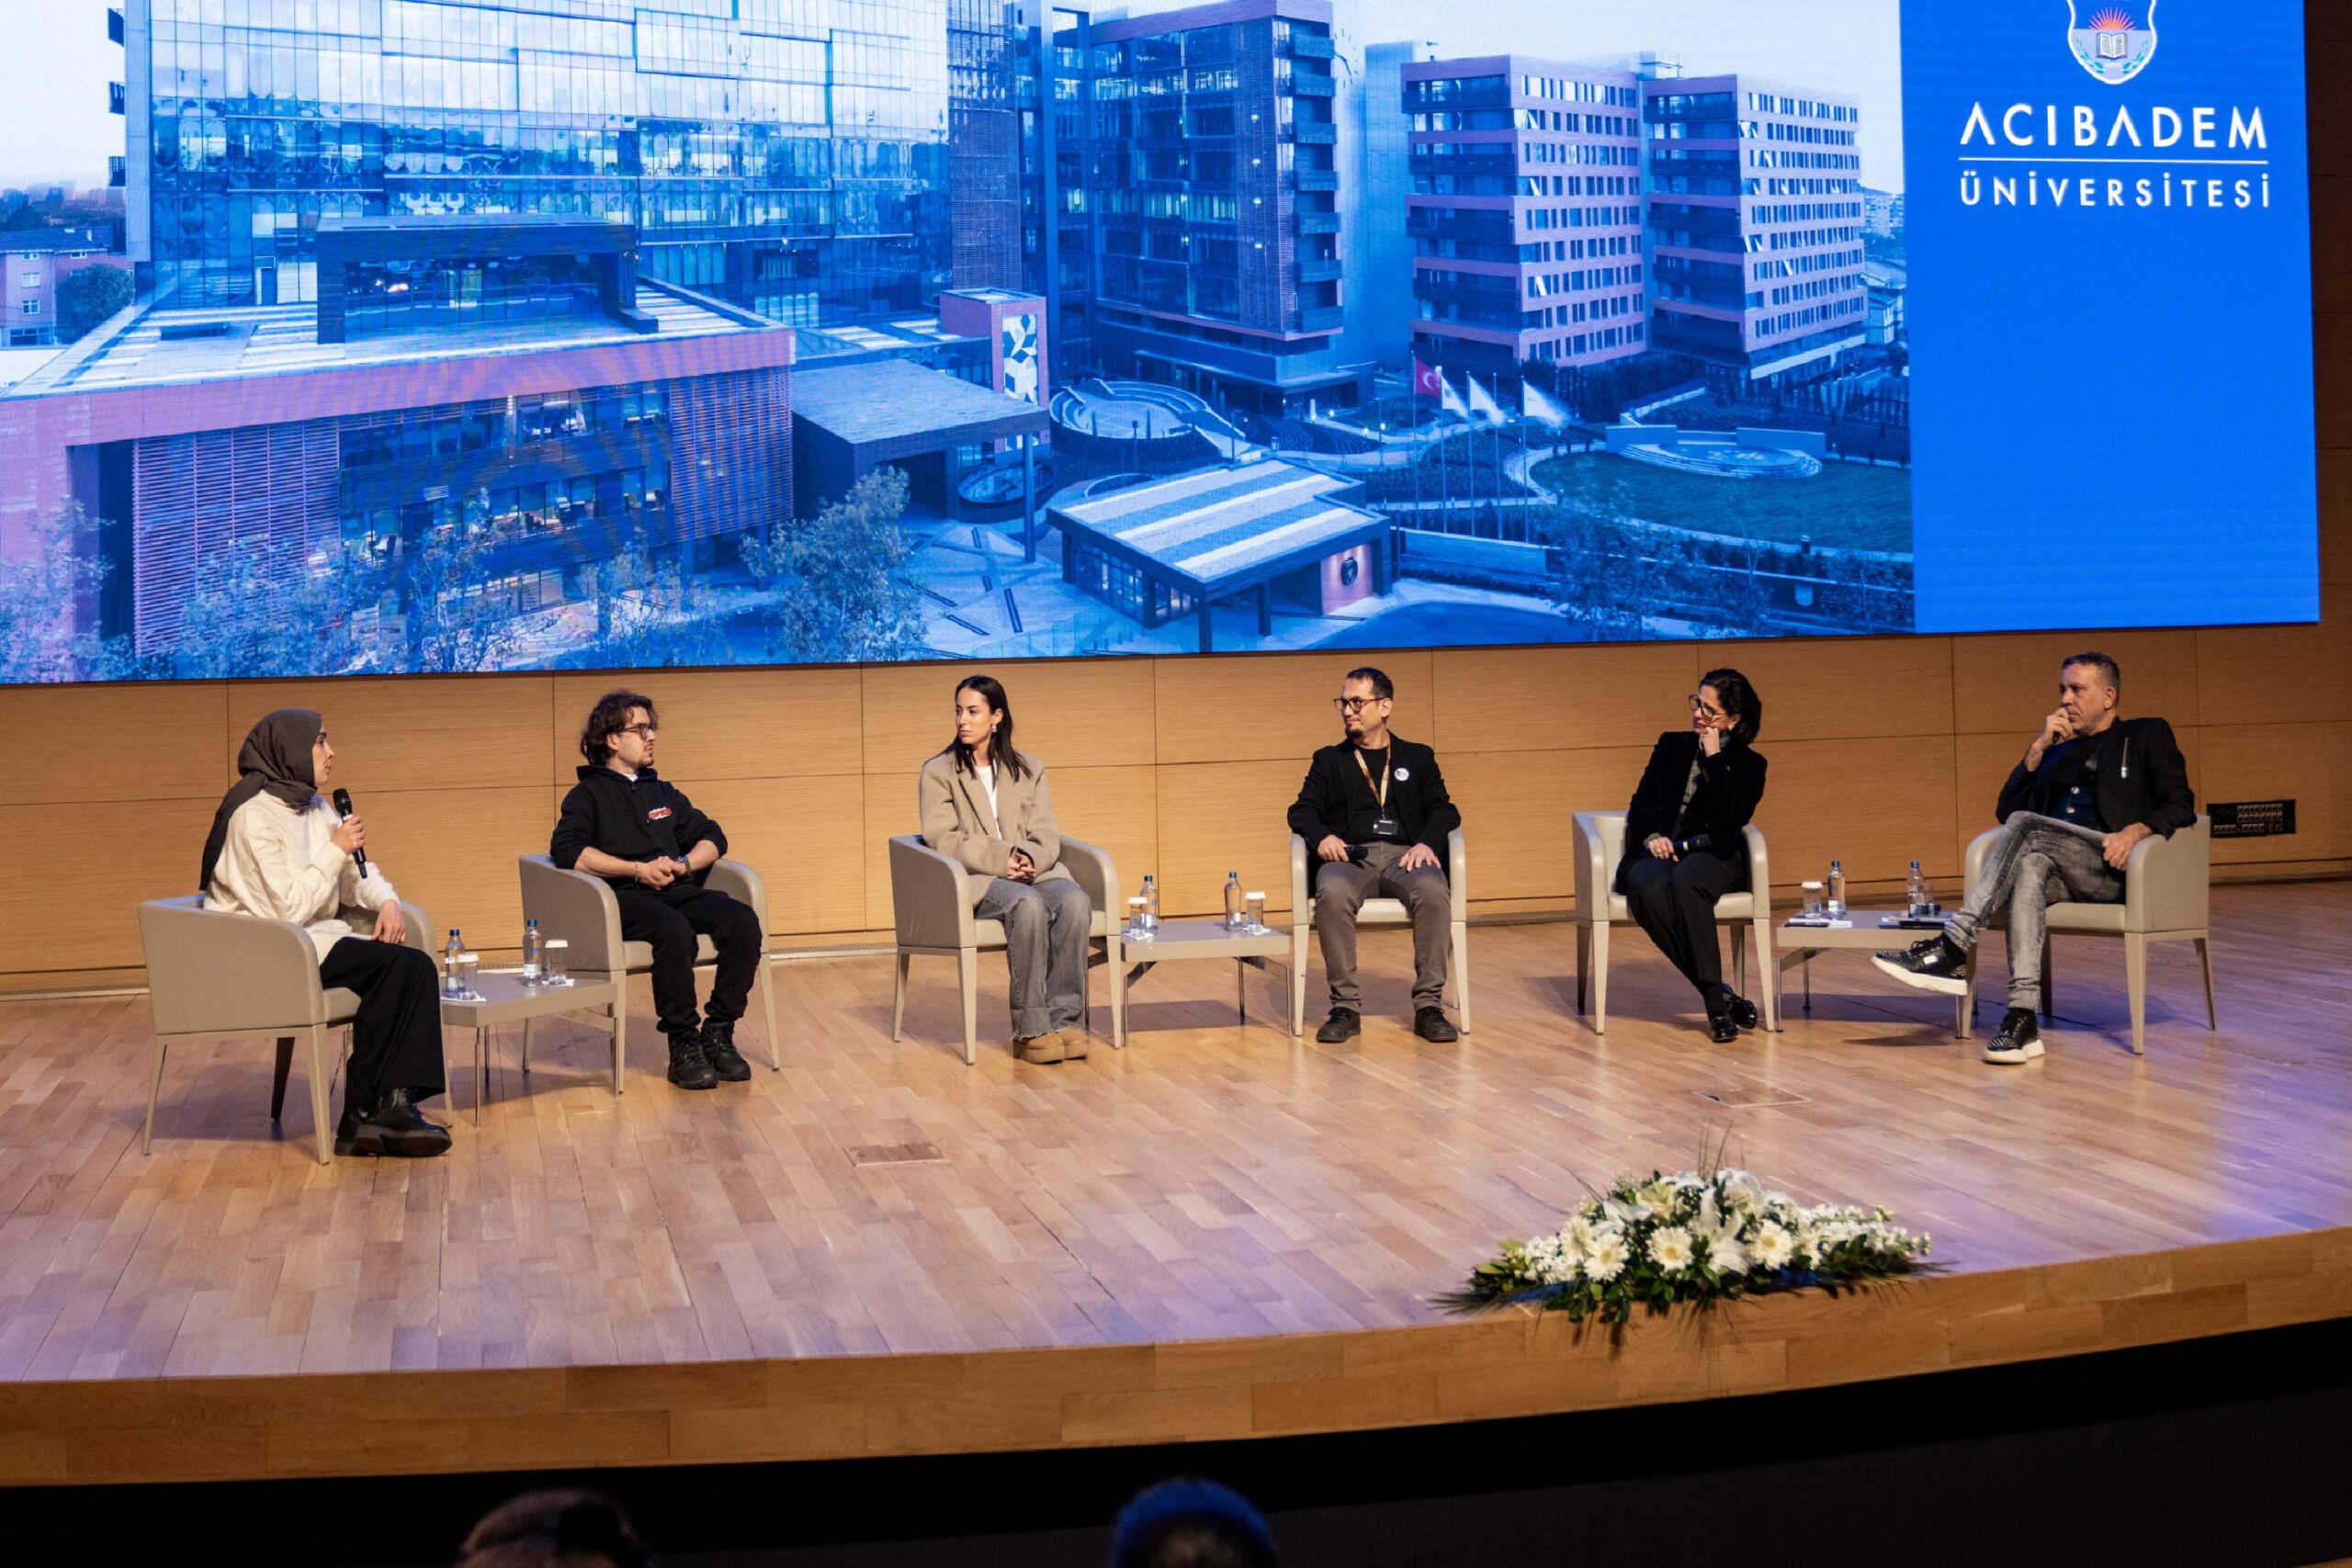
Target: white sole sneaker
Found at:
x=1943, y=985
x=2018, y=1058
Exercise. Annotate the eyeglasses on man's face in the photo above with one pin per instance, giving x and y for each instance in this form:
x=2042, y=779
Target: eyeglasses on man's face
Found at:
x=1355, y=705
x=642, y=731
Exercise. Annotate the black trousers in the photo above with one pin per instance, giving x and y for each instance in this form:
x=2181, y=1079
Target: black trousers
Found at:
x=1674, y=900
x=396, y=1039
x=670, y=919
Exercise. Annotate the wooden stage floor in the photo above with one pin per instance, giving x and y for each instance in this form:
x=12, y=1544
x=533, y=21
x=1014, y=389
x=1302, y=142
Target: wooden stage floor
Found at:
x=1218, y=1232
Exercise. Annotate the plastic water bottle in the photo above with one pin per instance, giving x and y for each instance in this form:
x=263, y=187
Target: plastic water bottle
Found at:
x=1150, y=903
x=532, y=969
x=1235, y=919
x=1836, y=890
x=1916, y=893
x=451, y=985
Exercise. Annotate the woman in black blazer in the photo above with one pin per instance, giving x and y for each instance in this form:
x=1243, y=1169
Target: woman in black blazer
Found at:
x=1683, y=844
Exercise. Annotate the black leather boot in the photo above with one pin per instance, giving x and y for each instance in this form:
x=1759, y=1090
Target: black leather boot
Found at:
x=689, y=1063
x=393, y=1128
x=718, y=1046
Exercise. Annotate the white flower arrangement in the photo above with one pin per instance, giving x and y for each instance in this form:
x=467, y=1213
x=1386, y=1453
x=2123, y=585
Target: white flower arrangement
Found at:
x=1702, y=1237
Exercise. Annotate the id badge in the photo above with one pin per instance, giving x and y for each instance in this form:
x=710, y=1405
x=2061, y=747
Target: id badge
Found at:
x=1386, y=827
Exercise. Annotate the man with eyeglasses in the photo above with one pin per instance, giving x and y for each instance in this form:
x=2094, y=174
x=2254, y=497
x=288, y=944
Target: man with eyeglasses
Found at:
x=624, y=823
x=1375, y=812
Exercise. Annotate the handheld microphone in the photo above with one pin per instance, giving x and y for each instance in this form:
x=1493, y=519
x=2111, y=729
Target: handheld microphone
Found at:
x=343, y=806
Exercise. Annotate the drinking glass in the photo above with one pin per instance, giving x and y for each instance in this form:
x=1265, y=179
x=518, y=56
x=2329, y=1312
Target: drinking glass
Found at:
x=553, y=959
x=1256, y=903
x=1813, y=901
x=468, y=965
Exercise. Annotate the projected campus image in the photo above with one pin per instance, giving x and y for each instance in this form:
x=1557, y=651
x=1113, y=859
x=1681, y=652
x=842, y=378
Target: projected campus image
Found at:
x=393, y=335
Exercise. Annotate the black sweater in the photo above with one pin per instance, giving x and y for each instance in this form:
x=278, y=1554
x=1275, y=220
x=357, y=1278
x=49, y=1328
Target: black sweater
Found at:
x=640, y=821
x=2141, y=778
x=1731, y=782
x=1335, y=802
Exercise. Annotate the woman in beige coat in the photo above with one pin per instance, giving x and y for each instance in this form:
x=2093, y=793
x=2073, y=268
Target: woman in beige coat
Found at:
x=987, y=805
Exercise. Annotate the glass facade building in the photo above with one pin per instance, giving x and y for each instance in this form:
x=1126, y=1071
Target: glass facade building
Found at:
x=1181, y=166
x=477, y=421
x=788, y=155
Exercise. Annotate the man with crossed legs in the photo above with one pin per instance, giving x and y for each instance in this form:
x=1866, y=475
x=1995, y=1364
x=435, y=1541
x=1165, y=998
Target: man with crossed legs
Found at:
x=2090, y=787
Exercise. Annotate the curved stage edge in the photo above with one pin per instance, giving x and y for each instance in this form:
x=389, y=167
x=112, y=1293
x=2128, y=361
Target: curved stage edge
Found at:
x=1502, y=1366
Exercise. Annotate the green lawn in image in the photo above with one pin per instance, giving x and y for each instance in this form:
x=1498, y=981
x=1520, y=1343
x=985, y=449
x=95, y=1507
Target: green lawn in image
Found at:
x=1846, y=505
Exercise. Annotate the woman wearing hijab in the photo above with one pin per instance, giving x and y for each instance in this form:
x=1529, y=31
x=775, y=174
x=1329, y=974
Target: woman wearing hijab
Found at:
x=987, y=805
x=1684, y=847
x=279, y=851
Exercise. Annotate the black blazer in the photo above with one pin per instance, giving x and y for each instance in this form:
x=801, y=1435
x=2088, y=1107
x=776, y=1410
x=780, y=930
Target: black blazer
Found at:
x=2141, y=778
x=1334, y=790
x=1730, y=784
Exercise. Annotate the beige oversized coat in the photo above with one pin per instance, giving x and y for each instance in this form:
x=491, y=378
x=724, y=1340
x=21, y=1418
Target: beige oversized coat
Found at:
x=957, y=821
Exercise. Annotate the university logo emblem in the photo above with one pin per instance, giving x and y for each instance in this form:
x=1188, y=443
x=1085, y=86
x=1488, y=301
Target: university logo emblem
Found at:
x=2113, y=42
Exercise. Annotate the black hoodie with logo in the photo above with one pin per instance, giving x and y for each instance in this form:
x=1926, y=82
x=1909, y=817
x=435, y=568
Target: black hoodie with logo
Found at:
x=639, y=819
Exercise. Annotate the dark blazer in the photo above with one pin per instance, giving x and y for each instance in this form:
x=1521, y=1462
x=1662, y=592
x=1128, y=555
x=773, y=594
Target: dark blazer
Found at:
x=1730, y=784
x=1334, y=790
x=634, y=821
x=2142, y=778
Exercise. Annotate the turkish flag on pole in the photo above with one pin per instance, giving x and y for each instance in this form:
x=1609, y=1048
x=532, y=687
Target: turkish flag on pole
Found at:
x=1425, y=379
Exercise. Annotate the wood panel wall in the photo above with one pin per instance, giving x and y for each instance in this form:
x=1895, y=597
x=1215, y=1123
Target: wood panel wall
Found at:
x=1881, y=750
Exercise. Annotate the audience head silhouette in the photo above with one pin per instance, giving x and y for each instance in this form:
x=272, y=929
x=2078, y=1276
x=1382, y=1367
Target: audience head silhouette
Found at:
x=1190, y=1523
x=554, y=1529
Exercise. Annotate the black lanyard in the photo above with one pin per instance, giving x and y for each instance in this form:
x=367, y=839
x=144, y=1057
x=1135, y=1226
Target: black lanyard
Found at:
x=1387, y=759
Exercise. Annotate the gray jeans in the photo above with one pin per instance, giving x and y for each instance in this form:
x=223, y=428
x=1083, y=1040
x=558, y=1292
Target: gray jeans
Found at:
x=1044, y=946
x=1340, y=888
x=2039, y=862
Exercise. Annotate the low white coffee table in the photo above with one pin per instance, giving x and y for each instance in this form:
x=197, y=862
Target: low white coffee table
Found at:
x=1799, y=945
x=506, y=1000
x=1177, y=940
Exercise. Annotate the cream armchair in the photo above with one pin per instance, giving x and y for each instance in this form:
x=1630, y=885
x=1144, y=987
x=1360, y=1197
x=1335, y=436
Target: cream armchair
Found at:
x=1379, y=912
x=930, y=904
x=1599, y=844
x=582, y=911
x=2167, y=895
x=212, y=974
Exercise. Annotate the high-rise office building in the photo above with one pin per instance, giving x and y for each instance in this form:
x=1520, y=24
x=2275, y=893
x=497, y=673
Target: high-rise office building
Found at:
x=791, y=155
x=1375, y=181
x=984, y=154
x=1185, y=158
x=1756, y=224
x=1525, y=212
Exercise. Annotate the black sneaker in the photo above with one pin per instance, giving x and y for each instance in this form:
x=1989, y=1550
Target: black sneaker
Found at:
x=689, y=1065
x=394, y=1129
x=1431, y=1024
x=718, y=1046
x=2018, y=1042
x=1344, y=1023
x=1935, y=964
